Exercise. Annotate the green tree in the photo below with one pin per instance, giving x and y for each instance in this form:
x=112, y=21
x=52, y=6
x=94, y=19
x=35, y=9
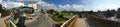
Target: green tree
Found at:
x=91, y=12
x=118, y=13
x=51, y=11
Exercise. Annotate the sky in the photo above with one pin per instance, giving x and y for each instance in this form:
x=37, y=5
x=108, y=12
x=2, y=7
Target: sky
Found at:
x=102, y=4
x=68, y=5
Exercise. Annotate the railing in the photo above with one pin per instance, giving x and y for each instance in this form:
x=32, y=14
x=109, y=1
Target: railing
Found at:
x=12, y=24
x=9, y=23
x=70, y=22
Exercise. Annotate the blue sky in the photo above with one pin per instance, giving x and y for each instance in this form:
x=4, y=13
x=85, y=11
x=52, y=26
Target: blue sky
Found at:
x=103, y=4
x=77, y=5
x=64, y=2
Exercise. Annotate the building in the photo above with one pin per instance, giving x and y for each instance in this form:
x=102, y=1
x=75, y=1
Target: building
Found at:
x=33, y=5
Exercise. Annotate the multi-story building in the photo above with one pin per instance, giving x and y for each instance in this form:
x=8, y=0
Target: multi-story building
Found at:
x=34, y=5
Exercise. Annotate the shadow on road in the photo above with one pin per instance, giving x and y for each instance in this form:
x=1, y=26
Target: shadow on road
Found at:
x=91, y=24
x=21, y=22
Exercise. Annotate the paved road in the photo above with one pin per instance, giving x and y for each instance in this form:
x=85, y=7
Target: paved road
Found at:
x=91, y=24
x=41, y=21
x=2, y=21
x=84, y=22
x=81, y=22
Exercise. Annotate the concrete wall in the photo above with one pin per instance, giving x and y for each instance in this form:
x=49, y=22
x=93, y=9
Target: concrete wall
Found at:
x=68, y=22
x=104, y=22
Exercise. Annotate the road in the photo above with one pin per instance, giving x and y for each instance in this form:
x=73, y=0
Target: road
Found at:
x=2, y=21
x=81, y=22
x=84, y=22
x=41, y=21
x=91, y=24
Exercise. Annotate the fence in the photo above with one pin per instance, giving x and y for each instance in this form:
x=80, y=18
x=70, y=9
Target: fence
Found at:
x=70, y=22
x=9, y=23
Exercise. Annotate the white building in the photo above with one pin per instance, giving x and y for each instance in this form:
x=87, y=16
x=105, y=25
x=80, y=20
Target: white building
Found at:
x=34, y=5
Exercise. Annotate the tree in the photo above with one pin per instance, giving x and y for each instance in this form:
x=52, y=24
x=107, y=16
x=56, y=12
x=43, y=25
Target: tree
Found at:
x=113, y=12
x=118, y=13
x=1, y=10
x=99, y=11
x=4, y=13
x=107, y=13
x=91, y=12
x=51, y=11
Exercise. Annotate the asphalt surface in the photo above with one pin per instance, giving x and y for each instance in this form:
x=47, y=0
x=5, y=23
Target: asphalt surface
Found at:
x=91, y=24
x=81, y=22
x=42, y=21
x=2, y=21
x=84, y=22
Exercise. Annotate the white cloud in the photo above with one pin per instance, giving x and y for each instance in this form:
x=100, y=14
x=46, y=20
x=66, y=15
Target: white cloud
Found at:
x=68, y=7
x=90, y=5
x=102, y=5
x=0, y=1
x=28, y=0
x=110, y=6
x=11, y=4
x=45, y=5
x=65, y=7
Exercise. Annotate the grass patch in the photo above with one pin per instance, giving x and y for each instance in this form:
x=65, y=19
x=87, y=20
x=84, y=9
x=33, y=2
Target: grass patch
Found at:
x=57, y=19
